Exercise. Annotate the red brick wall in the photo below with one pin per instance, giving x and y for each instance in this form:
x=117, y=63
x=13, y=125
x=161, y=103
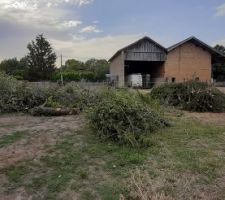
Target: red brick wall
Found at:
x=187, y=62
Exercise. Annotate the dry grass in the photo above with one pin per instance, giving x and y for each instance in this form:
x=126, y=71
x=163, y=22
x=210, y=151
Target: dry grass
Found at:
x=207, y=118
x=57, y=158
x=38, y=133
x=143, y=187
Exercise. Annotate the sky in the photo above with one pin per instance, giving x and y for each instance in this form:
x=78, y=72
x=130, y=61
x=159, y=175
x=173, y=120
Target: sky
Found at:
x=84, y=29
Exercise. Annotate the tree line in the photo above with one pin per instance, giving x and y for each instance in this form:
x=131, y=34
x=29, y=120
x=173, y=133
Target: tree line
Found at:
x=40, y=65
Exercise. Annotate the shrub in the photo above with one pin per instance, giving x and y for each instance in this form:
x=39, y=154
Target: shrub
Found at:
x=17, y=96
x=208, y=100
x=72, y=96
x=34, y=96
x=191, y=95
x=8, y=94
x=124, y=118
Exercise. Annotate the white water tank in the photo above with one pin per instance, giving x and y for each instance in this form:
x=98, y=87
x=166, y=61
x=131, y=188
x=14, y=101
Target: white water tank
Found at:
x=135, y=80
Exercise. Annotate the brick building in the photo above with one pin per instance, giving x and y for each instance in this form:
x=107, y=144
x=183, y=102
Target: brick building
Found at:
x=189, y=59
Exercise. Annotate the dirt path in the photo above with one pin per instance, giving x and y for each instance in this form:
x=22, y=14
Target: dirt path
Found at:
x=39, y=132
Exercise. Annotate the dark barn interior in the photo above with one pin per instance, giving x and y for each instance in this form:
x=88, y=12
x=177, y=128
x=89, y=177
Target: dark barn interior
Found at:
x=154, y=68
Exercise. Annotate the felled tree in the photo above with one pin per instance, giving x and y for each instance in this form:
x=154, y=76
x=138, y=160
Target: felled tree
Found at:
x=41, y=59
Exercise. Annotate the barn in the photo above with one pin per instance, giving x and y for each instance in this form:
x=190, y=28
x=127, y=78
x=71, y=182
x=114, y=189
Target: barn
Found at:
x=188, y=59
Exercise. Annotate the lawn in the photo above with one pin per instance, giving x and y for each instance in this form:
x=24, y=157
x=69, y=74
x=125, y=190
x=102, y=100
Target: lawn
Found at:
x=184, y=161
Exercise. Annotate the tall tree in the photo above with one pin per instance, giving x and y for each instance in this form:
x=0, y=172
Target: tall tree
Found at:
x=219, y=68
x=41, y=59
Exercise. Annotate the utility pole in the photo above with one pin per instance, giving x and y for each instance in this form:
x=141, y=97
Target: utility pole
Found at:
x=61, y=70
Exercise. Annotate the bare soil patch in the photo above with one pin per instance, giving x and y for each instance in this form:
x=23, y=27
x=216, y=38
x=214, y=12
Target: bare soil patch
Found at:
x=41, y=131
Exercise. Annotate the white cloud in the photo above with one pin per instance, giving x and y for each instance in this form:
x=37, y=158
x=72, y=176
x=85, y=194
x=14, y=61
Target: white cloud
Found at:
x=40, y=13
x=84, y=49
x=90, y=29
x=18, y=5
x=71, y=24
x=220, y=10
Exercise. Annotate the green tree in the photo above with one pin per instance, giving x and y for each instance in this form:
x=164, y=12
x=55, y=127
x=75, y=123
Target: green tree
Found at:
x=10, y=66
x=41, y=59
x=23, y=72
x=219, y=68
x=220, y=48
x=14, y=67
x=73, y=65
x=99, y=67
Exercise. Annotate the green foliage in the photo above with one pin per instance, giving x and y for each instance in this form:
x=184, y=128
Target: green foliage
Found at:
x=219, y=68
x=9, y=98
x=74, y=96
x=125, y=118
x=10, y=66
x=16, y=96
x=14, y=67
x=208, y=100
x=193, y=96
x=41, y=59
x=99, y=67
x=73, y=65
x=219, y=72
x=92, y=70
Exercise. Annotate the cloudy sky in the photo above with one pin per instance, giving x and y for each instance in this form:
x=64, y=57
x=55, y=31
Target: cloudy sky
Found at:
x=84, y=29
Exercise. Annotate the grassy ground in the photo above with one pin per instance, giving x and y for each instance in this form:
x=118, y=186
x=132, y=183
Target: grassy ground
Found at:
x=9, y=139
x=184, y=161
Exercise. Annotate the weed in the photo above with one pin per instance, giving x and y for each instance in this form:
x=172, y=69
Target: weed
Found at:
x=10, y=139
x=124, y=118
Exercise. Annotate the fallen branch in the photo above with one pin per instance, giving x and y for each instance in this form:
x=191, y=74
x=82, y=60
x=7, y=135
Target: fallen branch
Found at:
x=47, y=111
